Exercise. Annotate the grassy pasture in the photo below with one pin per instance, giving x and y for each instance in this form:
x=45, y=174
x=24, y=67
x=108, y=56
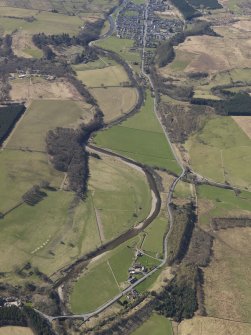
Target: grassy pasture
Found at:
x=221, y=151
x=120, y=193
x=100, y=282
x=27, y=228
x=19, y=171
x=140, y=138
x=182, y=190
x=109, y=76
x=115, y=101
x=155, y=325
x=97, y=64
x=153, y=242
x=227, y=278
x=199, y=325
x=47, y=22
x=93, y=289
x=123, y=48
x=49, y=235
x=216, y=202
x=12, y=330
x=42, y=116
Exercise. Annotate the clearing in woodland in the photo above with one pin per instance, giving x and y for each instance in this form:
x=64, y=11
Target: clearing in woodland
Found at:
x=115, y=101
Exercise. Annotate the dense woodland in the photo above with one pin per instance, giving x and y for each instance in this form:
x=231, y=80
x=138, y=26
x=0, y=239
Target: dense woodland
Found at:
x=25, y=317
x=9, y=115
x=5, y=46
x=238, y=104
x=178, y=300
x=186, y=9
x=66, y=149
x=211, y=4
x=184, y=220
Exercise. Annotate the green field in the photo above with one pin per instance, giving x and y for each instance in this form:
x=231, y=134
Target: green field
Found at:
x=93, y=289
x=42, y=116
x=50, y=234
x=221, y=202
x=113, y=75
x=47, y=22
x=182, y=190
x=221, y=151
x=140, y=138
x=63, y=6
x=103, y=279
x=97, y=64
x=153, y=242
x=155, y=325
x=19, y=171
x=120, y=194
x=123, y=47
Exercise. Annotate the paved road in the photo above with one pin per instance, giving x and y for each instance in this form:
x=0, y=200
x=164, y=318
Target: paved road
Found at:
x=87, y=316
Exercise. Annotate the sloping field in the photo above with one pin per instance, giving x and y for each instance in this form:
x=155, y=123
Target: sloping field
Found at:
x=42, y=116
x=39, y=88
x=221, y=151
x=115, y=101
x=210, y=326
x=218, y=54
x=140, y=138
x=9, y=330
x=227, y=278
x=108, y=76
